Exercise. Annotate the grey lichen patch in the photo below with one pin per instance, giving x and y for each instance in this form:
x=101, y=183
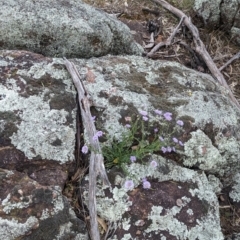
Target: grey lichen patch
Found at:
x=8, y=205
x=235, y=192
x=180, y=230
x=40, y=123
x=217, y=112
x=113, y=208
x=168, y=86
x=200, y=152
x=13, y=229
x=215, y=183
x=209, y=11
x=60, y=28
x=229, y=147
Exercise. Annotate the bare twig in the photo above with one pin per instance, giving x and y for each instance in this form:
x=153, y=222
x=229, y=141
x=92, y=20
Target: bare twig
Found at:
x=235, y=57
x=167, y=42
x=152, y=11
x=96, y=165
x=200, y=47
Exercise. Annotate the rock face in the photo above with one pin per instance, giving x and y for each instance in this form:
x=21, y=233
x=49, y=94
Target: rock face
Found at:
x=230, y=15
x=209, y=11
x=125, y=85
x=180, y=204
x=63, y=28
x=217, y=13
x=37, y=142
x=121, y=87
x=34, y=211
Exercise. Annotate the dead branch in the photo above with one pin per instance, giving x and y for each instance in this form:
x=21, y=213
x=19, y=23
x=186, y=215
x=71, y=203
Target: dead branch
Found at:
x=235, y=57
x=96, y=165
x=168, y=41
x=200, y=47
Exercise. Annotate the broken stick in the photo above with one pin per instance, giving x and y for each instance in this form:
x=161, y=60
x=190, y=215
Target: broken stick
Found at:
x=235, y=57
x=96, y=165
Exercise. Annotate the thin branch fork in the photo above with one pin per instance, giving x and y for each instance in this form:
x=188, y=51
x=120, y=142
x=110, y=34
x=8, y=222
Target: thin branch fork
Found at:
x=96, y=165
x=168, y=41
x=200, y=48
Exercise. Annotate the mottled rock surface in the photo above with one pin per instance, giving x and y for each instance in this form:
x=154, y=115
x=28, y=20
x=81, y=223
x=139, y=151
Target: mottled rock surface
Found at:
x=34, y=211
x=179, y=205
x=125, y=85
x=37, y=143
x=224, y=14
x=209, y=11
x=63, y=28
x=230, y=15
x=122, y=86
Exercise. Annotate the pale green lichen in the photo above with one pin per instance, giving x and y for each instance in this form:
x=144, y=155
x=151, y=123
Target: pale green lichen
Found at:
x=112, y=209
x=8, y=205
x=215, y=183
x=40, y=126
x=235, y=192
x=13, y=229
x=199, y=150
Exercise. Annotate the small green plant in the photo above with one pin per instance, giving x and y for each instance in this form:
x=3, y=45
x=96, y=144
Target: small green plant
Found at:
x=141, y=139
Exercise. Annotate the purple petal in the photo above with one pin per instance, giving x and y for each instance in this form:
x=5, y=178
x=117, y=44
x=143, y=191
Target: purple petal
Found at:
x=84, y=149
x=180, y=122
x=95, y=137
x=133, y=159
x=153, y=164
x=164, y=149
x=99, y=133
x=158, y=112
x=175, y=140
x=146, y=184
x=180, y=143
x=145, y=118
x=143, y=113
x=129, y=184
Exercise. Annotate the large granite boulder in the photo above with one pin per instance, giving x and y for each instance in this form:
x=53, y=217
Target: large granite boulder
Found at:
x=29, y=210
x=38, y=139
x=37, y=144
x=63, y=28
x=125, y=85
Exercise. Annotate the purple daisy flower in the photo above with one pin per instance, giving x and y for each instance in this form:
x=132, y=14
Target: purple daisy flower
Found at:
x=84, y=149
x=168, y=116
x=180, y=123
x=129, y=184
x=143, y=113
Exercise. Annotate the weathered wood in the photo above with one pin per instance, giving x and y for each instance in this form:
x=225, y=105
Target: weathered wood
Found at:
x=96, y=165
x=168, y=41
x=235, y=57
